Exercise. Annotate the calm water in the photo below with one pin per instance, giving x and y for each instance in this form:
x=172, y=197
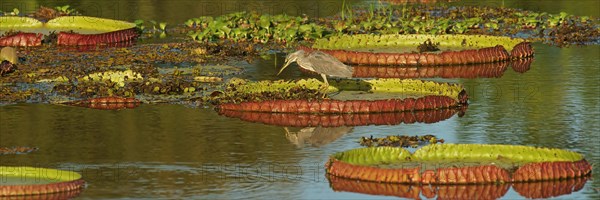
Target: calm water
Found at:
x=176, y=151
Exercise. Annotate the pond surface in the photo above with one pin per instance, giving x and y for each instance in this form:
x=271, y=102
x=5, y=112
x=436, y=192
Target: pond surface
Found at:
x=178, y=151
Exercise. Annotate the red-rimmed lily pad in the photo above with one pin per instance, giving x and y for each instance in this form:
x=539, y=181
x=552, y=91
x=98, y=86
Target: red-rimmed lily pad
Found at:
x=336, y=120
x=21, y=181
x=370, y=96
x=72, y=30
x=458, y=164
x=403, y=49
x=534, y=190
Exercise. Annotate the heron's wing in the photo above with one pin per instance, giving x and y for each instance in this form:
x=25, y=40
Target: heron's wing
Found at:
x=326, y=64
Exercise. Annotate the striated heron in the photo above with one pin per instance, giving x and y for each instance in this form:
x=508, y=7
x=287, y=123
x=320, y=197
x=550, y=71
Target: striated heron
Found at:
x=319, y=62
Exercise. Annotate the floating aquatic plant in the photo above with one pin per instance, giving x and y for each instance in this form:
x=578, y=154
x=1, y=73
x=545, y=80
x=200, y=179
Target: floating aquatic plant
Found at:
x=306, y=96
x=47, y=181
x=106, y=103
x=399, y=141
x=458, y=164
x=17, y=150
x=453, y=49
x=118, y=77
x=243, y=26
x=66, y=10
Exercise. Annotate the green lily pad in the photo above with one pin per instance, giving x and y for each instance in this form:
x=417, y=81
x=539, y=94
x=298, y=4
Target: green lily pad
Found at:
x=14, y=23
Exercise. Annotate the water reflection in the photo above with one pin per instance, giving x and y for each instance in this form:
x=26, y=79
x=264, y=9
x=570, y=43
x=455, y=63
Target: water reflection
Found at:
x=522, y=65
x=315, y=136
x=543, y=189
x=485, y=70
x=51, y=196
x=402, y=2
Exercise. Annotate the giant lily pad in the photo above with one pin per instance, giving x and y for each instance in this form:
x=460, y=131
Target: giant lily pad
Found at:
x=19, y=181
x=82, y=24
x=16, y=23
x=79, y=24
x=533, y=190
x=458, y=164
x=336, y=120
x=371, y=96
x=403, y=49
x=72, y=30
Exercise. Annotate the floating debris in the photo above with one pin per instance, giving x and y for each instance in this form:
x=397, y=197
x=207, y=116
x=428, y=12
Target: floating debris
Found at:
x=17, y=150
x=107, y=103
x=6, y=68
x=400, y=141
x=428, y=46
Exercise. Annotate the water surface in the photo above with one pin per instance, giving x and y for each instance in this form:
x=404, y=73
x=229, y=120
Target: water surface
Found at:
x=179, y=151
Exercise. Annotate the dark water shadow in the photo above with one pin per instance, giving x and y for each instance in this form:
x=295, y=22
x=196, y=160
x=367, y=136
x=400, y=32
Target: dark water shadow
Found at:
x=315, y=136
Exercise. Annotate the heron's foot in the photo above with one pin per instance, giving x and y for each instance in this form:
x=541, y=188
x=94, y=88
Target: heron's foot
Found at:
x=324, y=90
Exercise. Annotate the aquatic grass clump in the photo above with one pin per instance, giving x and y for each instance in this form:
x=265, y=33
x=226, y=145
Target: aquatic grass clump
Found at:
x=403, y=141
x=458, y=164
x=254, y=27
x=118, y=77
x=558, y=29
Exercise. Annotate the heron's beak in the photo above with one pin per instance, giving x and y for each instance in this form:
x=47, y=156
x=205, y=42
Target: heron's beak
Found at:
x=284, y=66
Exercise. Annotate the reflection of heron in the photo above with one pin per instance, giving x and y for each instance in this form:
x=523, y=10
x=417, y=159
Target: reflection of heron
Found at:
x=9, y=54
x=319, y=62
x=316, y=136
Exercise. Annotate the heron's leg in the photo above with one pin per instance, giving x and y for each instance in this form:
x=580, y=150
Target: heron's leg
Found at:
x=325, y=79
x=326, y=85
